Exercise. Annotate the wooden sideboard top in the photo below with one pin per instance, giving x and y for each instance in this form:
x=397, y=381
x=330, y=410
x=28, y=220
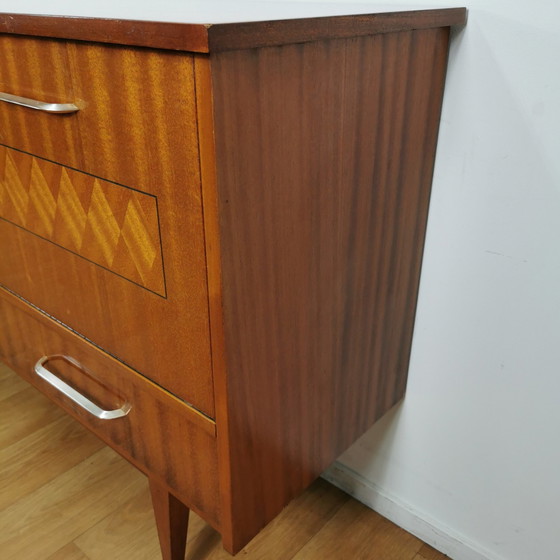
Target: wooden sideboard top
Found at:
x=206, y=38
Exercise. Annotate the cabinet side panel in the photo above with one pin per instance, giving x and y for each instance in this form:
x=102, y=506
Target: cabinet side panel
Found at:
x=325, y=155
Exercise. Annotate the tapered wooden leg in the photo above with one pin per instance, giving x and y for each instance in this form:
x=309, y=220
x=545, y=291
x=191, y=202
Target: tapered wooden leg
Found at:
x=172, y=520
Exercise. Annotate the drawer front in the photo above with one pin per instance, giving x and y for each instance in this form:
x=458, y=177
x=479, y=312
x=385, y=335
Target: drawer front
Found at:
x=159, y=434
x=100, y=211
x=39, y=70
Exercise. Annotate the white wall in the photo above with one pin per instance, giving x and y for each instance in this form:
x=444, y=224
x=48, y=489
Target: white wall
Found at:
x=471, y=459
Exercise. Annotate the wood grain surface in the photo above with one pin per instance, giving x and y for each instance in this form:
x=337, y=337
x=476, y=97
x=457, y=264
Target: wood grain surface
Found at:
x=172, y=521
x=63, y=442
x=207, y=147
x=324, y=156
x=158, y=435
x=137, y=128
x=108, y=224
x=218, y=37
x=275, y=33
x=38, y=69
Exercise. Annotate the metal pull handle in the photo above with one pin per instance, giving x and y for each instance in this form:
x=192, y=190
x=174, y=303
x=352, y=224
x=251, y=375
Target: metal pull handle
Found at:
x=59, y=108
x=74, y=395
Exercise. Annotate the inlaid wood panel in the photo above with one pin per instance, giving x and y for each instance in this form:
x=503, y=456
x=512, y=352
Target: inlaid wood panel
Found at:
x=159, y=433
x=133, y=195
x=321, y=244
x=108, y=224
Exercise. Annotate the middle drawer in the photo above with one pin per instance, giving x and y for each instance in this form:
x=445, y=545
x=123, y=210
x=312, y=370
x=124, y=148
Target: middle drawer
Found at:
x=108, y=237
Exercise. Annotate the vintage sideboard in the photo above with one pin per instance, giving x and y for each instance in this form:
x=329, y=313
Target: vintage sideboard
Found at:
x=211, y=239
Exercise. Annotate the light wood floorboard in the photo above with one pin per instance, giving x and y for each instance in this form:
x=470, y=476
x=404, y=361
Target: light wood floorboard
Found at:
x=68, y=552
x=66, y=496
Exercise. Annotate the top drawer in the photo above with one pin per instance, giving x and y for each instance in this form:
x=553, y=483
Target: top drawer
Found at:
x=100, y=211
x=136, y=107
x=38, y=69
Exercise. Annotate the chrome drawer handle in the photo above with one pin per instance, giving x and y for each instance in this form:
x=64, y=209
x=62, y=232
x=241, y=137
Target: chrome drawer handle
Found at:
x=60, y=108
x=74, y=395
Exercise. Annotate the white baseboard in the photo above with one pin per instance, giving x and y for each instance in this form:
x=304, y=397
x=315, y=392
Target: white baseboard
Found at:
x=418, y=523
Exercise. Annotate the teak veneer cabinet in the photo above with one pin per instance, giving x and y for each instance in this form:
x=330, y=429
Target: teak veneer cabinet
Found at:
x=211, y=240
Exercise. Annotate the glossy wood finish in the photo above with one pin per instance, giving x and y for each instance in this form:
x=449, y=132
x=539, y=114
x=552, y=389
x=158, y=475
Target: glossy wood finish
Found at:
x=159, y=433
x=321, y=243
x=172, y=520
x=38, y=69
x=134, y=138
x=275, y=33
x=210, y=37
x=204, y=92
x=178, y=36
x=110, y=225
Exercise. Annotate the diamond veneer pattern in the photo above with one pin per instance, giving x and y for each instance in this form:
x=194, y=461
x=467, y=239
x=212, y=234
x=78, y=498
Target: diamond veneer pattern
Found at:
x=108, y=224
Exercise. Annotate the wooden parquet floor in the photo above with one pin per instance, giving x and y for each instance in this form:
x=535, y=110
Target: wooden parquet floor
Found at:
x=64, y=495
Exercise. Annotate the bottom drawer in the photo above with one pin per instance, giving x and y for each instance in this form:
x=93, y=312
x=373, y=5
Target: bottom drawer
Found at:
x=155, y=431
